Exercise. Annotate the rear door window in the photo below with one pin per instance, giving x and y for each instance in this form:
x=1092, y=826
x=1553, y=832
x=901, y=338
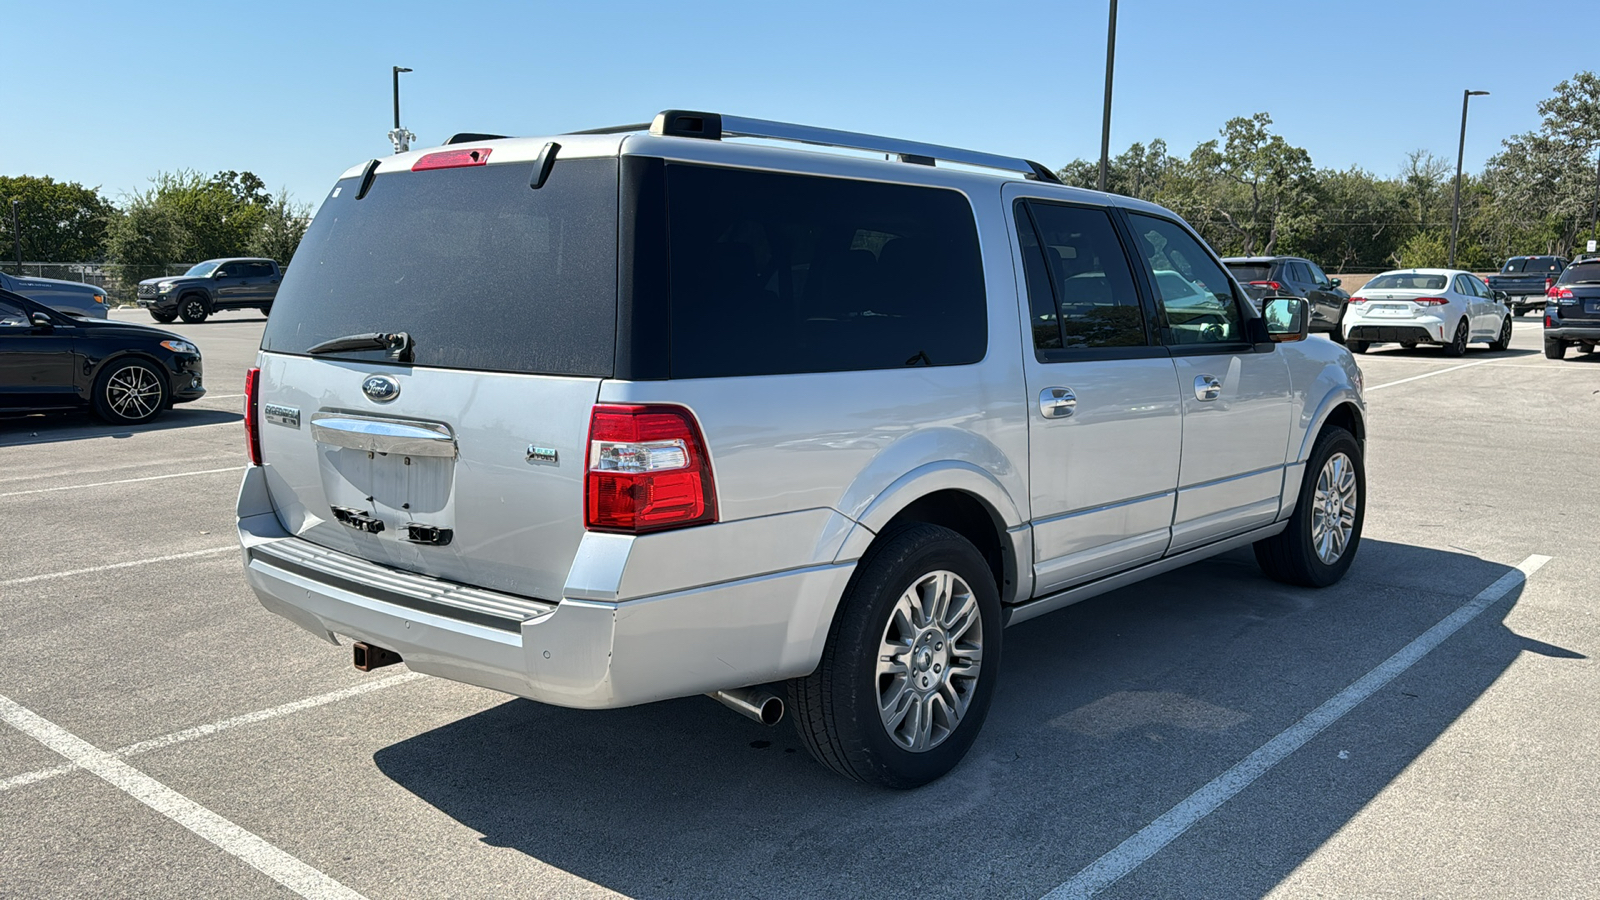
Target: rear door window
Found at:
x=1194, y=294
x=775, y=273
x=1080, y=285
x=481, y=270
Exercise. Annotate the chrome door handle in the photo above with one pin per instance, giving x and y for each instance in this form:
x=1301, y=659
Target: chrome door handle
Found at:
x=1057, y=402
x=1207, y=387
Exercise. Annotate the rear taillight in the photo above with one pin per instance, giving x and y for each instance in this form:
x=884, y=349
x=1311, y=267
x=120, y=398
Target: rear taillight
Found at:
x=1431, y=301
x=1548, y=282
x=1358, y=299
x=252, y=415
x=1485, y=278
x=1562, y=295
x=1267, y=284
x=648, y=470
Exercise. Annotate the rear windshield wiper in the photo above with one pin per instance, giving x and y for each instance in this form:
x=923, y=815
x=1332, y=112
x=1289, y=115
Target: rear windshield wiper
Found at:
x=399, y=343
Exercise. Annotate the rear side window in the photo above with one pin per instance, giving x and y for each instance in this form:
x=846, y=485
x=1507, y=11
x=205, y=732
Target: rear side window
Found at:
x=481, y=270
x=1080, y=285
x=775, y=274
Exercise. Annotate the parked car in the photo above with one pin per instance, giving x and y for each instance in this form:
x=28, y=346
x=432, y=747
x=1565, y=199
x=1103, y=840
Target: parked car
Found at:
x=1524, y=280
x=71, y=297
x=211, y=286
x=1411, y=307
x=125, y=373
x=1572, y=310
x=1293, y=276
x=695, y=416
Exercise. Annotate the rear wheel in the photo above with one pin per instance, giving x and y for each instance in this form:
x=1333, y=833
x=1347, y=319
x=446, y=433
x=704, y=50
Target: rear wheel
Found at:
x=1458, y=344
x=909, y=668
x=163, y=317
x=1555, y=348
x=1408, y=345
x=129, y=392
x=1357, y=346
x=192, y=309
x=1504, y=340
x=1325, y=529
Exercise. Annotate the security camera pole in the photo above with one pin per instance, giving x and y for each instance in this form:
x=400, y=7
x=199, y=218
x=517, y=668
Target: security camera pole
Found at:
x=400, y=137
x=1105, y=121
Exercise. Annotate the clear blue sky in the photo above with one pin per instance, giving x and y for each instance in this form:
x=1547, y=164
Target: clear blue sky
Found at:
x=108, y=93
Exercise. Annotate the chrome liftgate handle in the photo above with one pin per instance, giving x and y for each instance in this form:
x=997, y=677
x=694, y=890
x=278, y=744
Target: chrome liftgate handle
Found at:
x=383, y=435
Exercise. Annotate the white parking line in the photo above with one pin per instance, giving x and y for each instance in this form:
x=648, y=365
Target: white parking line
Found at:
x=256, y=852
x=1430, y=374
x=200, y=731
x=73, y=487
x=121, y=565
x=1136, y=850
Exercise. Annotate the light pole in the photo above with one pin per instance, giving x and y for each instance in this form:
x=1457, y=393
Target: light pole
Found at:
x=1461, y=149
x=1105, y=121
x=400, y=137
x=16, y=232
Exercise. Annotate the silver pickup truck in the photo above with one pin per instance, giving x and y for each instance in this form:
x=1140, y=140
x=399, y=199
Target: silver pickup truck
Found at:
x=71, y=297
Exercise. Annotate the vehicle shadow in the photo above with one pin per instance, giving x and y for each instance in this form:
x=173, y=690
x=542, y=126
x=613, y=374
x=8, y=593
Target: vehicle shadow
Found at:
x=1109, y=713
x=1430, y=352
x=55, y=427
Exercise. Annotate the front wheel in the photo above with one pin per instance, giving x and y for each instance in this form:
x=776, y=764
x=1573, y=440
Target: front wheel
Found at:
x=129, y=392
x=1325, y=529
x=909, y=668
x=1458, y=345
x=1504, y=340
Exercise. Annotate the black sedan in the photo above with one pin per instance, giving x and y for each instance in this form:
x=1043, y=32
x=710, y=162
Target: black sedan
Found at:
x=126, y=373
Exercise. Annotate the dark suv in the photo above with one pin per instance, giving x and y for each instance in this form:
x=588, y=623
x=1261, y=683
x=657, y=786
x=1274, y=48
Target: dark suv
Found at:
x=213, y=285
x=1268, y=276
x=1572, y=310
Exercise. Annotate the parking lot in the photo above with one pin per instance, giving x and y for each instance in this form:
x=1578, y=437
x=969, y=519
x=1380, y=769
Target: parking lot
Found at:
x=1428, y=727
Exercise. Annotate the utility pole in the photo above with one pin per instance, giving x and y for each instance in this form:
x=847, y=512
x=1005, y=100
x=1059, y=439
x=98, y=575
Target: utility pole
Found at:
x=400, y=137
x=1461, y=149
x=16, y=232
x=1105, y=121
x=1594, y=209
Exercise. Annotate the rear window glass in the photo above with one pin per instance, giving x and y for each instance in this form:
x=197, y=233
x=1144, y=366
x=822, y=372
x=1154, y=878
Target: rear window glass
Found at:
x=1406, y=281
x=1581, y=273
x=1540, y=264
x=480, y=269
x=775, y=274
x=1248, y=272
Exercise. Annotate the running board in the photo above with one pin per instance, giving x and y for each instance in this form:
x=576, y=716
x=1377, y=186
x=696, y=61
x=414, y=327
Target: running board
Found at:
x=1061, y=599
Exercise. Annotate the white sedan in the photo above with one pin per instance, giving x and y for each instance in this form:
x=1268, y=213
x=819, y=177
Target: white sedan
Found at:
x=1409, y=307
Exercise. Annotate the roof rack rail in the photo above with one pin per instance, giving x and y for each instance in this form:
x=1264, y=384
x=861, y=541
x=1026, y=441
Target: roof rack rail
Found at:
x=715, y=127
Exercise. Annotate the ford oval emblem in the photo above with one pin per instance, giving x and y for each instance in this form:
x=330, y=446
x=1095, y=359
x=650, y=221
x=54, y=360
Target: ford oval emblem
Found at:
x=380, y=388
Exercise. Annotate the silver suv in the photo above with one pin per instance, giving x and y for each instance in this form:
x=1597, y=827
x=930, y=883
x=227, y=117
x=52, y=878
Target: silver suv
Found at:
x=652, y=411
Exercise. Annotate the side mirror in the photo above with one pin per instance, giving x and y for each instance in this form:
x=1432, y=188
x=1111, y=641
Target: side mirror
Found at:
x=1501, y=296
x=42, y=321
x=1336, y=281
x=220, y=273
x=1287, y=318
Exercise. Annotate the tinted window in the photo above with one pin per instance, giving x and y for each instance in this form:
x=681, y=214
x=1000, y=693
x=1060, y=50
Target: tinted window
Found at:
x=774, y=274
x=1587, y=272
x=1405, y=281
x=1318, y=277
x=482, y=271
x=1080, y=286
x=1514, y=265
x=12, y=315
x=1248, y=272
x=1191, y=287
x=258, y=270
x=1296, y=272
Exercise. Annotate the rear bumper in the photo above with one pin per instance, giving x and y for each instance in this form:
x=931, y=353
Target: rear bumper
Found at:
x=1573, y=333
x=572, y=652
x=1388, y=334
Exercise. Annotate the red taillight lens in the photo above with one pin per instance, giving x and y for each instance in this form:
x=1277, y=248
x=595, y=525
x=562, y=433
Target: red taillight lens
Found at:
x=1430, y=301
x=1548, y=282
x=1485, y=278
x=1560, y=293
x=453, y=159
x=1548, y=323
x=1267, y=284
x=252, y=415
x=1358, y=299
x=648, y=470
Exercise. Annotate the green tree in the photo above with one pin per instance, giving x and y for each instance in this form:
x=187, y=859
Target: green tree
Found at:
x=60, y=221
x=1544, y=181
x=283, y=226
x=186, y=217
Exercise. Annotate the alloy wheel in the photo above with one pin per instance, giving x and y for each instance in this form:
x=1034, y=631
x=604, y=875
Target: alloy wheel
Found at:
x=929, y=661
x=1333, y=511
x=134, y=392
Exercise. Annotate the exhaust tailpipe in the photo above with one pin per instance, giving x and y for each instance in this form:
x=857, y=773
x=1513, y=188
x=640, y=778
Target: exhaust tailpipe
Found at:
x=368, y=657
x=752, y=703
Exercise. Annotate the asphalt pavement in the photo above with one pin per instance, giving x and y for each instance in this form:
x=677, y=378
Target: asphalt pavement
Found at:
x=1427, y=728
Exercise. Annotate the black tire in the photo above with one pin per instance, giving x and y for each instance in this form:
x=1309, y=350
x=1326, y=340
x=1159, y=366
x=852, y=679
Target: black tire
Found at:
x=836, y=706
x=162, y=317
x=1458, y=345
x=1555, y=348
x=130, y=392
x=266, y=311
x=1357, y=346
x=1408, y=345
x=1337, y=335
x=1291, y=555
x=1504, y=340
x=193, y=309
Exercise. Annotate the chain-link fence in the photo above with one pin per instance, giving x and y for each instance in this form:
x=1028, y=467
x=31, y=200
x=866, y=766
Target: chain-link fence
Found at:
x=120, y=290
